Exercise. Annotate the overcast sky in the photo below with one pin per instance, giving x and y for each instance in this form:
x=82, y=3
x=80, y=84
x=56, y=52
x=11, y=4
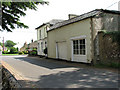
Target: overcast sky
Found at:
x=57, y=9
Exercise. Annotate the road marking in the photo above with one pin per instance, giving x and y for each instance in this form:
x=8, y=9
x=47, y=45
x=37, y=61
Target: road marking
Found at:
x=14, y=72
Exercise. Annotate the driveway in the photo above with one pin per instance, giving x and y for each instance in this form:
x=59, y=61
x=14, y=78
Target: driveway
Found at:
x=47, y=73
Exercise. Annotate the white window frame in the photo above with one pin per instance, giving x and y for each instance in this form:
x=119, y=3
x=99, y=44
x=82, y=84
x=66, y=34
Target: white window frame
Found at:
x=78, y=38
x=79, y=48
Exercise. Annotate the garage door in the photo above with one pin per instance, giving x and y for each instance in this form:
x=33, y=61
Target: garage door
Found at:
x=62, y=50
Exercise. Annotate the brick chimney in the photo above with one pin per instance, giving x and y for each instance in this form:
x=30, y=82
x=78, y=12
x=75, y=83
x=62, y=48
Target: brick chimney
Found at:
x=72, y=16
x=32, y=41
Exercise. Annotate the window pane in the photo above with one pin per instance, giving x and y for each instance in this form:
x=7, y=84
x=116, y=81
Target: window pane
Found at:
x=83, y=46
x=77, y=42
x=80, y=51
x=73, y=46
x=80, y=41
x=80, y=46
x=77, y=46
x=83, y=52
x=77, y=51
x=73, y=42
x=83, y=41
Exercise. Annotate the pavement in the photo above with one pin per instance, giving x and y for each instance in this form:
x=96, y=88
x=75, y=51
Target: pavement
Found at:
x=34, y=72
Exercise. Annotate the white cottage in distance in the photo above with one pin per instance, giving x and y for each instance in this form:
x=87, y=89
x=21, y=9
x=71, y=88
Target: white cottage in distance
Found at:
x=42, y=35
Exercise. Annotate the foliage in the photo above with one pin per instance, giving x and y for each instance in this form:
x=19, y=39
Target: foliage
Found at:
x=5, y=52
x=1, y=44
x=20, y=53
x=11, y=12
x=45, y=51
x=13, y=50
x=25, y=52
x=9, y=43
x=33, y=53
x=115, y=36
x=110, y=64
x=9, y=54
x=35, y=49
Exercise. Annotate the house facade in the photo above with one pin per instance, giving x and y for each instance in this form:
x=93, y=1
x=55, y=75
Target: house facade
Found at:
x=0, y=50
x=76, y=39
x=25, y=46
x=42, y=35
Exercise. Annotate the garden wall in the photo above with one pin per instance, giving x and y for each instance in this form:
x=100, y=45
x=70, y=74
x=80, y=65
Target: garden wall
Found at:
x=109, y=50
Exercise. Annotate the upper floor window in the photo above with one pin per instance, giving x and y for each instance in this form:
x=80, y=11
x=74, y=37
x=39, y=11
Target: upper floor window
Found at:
x=39, y=34
x=45, y=44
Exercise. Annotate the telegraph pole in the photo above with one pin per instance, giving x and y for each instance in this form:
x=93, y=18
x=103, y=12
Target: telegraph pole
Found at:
x=3, y=44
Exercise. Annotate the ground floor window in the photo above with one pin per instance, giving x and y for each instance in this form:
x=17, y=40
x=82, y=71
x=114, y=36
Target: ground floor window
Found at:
x=79, y=47
x=42, y=46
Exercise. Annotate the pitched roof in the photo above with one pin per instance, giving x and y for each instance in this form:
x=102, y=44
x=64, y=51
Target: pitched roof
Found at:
x=51, y=22
x=81, y=17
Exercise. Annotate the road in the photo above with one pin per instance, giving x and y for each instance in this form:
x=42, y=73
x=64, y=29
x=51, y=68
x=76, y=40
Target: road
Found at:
x=47, y=73
x=0, y=76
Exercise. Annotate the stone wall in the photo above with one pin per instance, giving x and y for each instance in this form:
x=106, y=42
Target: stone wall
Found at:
x=109, y=51
x=0, y=76
x=8, y=80
x=104, y=22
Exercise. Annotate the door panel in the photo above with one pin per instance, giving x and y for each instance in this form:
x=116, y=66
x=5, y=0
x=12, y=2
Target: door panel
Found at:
x=62, y=50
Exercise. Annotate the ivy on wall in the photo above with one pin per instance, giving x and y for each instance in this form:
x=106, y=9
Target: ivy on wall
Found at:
x=115, y=36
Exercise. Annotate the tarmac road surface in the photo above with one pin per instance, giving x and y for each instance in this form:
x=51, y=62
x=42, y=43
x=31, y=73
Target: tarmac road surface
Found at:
x=47, y=73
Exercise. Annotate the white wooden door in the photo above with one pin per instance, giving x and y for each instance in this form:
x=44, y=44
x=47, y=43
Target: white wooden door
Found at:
x=79, y=50
x=62, y=50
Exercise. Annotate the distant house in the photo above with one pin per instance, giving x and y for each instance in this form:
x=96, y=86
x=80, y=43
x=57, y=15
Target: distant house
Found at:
x=76, y=39
x=42, y=35
x=32, y=45
x=25, y=46
x=0, y=50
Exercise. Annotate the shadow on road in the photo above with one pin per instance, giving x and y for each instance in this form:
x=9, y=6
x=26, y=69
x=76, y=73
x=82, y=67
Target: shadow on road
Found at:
x=81, y=78
x=50, y=64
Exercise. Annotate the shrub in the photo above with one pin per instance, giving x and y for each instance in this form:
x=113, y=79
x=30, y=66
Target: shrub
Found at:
x=13, y=50
x=20, y=53
x=34, y=53
x=25, y=52
x=5, y=52
x=45, y=51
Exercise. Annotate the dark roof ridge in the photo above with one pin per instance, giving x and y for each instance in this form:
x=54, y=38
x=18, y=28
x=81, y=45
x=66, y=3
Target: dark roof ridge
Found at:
x=82, y=16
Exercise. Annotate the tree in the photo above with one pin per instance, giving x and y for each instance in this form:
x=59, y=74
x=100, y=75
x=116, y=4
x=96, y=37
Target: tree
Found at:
x=1, y=44
x=9, y=44
x=13, y=50
x=11, y=12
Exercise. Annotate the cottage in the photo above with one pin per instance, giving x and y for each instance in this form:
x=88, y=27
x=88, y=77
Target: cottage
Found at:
x=0, y=50
x=42, y=35
x=76, y=39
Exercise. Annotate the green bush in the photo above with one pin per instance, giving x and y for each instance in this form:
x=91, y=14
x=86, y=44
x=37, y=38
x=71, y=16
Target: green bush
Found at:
x=33, y=53
x=110, y=64
x=25, y=52
x=13, y=50
x=5, y=52
x=20, y=53
x=45, y=51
